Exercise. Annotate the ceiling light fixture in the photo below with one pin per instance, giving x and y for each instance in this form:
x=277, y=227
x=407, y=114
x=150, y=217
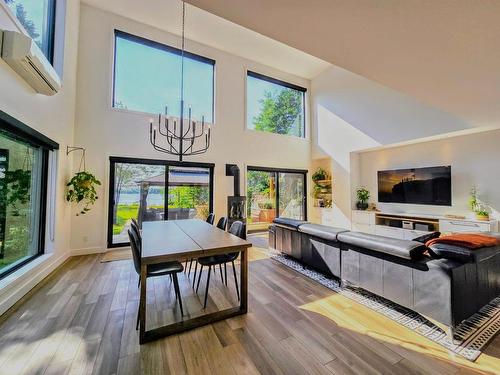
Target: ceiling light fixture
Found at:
x=182, y=136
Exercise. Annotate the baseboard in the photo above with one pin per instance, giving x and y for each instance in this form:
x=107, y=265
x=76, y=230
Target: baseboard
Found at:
x=21, y=285
x=87, y=251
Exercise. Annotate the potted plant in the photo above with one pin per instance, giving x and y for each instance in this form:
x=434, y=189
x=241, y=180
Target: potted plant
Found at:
x=363, y=195
x=267, y=212
x=319, y=175
x=81, y=189
x=480, y=210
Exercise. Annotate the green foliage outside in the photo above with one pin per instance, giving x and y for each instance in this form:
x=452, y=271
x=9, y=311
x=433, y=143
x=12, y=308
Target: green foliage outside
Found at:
x=258, y=183
x=281, y=113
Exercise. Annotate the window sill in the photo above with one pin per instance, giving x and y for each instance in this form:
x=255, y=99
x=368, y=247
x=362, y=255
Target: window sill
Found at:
x=7, y=282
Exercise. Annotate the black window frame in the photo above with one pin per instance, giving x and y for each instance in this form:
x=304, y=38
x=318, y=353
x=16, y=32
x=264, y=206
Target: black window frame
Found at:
x=23, y=132
x=113, y=160
x=162, y=47
x=51, y=28
x=288, y=85
x=277, y=171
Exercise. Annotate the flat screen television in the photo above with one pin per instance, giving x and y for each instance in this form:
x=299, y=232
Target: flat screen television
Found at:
x=430, y=185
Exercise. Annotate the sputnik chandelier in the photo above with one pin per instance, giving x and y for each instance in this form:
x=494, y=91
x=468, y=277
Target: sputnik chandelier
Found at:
x=182, y=136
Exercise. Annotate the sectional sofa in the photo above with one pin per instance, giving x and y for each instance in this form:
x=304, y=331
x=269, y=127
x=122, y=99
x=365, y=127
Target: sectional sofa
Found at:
x=444, y=283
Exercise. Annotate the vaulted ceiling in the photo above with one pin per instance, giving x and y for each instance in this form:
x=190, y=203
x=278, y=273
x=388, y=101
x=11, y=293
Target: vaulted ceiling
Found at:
x=445, y=53
x=214, y=31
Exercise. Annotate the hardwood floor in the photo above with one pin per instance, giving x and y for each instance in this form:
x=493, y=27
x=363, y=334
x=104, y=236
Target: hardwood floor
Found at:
x=81, y=320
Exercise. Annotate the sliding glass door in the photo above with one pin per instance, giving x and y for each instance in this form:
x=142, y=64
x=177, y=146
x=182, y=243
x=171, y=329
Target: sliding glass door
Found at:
x=151, y=190
x=273, y=193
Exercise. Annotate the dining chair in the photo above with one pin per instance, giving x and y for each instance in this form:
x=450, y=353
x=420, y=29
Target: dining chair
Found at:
x=154, y=270
x=237, y=229
x=210, y=220
x=222, y=223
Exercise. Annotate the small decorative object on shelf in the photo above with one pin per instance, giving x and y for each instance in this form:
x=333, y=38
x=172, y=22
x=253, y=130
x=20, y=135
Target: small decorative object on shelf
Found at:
x=363, y=195
x=81, y=188
x=322, y=189
x=479, y=208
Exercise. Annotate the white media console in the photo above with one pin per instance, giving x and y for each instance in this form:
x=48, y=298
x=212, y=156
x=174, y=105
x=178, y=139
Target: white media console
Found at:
x=391, y=224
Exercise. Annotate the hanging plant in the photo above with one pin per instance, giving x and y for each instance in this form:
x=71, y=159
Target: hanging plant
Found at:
x=82, y=187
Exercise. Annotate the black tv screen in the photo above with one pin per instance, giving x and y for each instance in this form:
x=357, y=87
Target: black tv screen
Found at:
x=431, y=185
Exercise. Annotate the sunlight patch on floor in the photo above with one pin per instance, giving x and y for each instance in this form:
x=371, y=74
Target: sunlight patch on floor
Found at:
x=357, y=318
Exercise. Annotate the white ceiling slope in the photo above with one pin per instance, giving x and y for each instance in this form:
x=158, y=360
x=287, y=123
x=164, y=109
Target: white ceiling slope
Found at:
x=217, y=32
x=445, y=53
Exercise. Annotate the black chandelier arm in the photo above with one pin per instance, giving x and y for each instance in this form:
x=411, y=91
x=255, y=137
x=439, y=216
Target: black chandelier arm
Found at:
x=152, y=140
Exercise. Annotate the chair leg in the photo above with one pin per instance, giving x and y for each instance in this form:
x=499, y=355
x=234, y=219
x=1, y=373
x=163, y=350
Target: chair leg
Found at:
x=236, y=281
x=186, y=266
x=199, y=278
x=220, y=269
x=190, y=265
x=139, y=283
x=225, y=273
x=195, y=271
x=178, y=292
x=171, y=279
x=206, y=290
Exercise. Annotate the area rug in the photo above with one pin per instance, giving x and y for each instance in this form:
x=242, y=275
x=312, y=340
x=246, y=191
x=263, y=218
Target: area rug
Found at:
x=113, y=255
x=471, y=336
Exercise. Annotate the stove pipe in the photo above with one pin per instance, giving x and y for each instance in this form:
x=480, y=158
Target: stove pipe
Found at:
x=233, y=170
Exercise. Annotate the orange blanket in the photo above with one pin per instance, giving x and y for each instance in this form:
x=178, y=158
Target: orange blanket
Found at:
x=469, y=240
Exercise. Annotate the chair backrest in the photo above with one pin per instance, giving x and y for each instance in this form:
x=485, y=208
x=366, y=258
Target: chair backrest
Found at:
x=222, y=223
x=211, y=219
x=134, y=221
x=238, y=229
x=136, y=252
x=135, y=229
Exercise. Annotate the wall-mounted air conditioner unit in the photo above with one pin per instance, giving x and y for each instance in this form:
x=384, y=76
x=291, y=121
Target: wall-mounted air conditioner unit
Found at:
x=25, y=57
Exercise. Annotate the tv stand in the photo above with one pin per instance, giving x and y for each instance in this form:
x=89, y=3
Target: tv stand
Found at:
x=408, y=225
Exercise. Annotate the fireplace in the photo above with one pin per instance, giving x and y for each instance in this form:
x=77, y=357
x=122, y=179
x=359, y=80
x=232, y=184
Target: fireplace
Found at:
x=235, y=203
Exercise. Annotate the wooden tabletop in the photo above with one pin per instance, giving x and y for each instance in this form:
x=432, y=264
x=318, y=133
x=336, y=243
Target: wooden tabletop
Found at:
x=183, y=239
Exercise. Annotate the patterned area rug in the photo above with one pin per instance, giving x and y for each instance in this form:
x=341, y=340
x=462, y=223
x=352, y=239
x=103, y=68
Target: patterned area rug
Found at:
x=470, y=337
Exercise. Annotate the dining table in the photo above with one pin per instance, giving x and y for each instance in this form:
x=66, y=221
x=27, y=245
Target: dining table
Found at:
x=180, y=240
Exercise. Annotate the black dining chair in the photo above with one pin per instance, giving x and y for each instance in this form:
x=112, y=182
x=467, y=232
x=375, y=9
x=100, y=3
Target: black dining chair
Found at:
x=222, y=223
x=160, y=269
x=237, y=229
x=210, y=220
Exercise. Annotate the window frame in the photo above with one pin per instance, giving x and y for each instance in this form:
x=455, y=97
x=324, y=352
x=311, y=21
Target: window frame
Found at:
x=51, y=23
x=21, y=131
x=276, y=81
x=163, y=47
x=113, y=160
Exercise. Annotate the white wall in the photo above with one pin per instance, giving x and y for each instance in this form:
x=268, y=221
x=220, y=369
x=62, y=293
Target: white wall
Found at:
x=352, y=113
x=473, y=158
x=53, y=117
x=105, y=131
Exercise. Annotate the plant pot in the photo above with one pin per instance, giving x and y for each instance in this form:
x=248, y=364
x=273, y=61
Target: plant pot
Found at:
x=267, y=215
x=482, y=217
x=361, y=206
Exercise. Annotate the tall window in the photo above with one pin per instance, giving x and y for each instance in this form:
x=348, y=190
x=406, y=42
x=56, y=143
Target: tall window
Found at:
x=148, y=78
x=275, y=106
x=23, y=185
x=152, y=190
x=38, y=18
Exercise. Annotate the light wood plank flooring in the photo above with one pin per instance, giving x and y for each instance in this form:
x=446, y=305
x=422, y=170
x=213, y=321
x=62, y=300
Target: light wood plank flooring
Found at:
x=81, y=320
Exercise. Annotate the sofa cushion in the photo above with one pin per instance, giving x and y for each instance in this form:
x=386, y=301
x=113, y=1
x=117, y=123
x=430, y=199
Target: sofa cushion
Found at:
x=321, y=231
x=462, y=254
x=289, y=223
x=400, y=248
x=427, y=237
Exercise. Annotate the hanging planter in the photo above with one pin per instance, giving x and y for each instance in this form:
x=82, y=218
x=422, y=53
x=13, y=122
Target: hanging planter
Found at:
x=82, y=187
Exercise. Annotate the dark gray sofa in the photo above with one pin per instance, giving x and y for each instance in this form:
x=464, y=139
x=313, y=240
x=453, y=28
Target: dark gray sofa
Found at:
x=446, y=288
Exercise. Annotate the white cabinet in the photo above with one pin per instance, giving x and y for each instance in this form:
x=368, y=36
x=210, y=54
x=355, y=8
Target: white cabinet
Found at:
x=446, y=225
x=363, y=221
x=410, y=234
x=386, y=231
